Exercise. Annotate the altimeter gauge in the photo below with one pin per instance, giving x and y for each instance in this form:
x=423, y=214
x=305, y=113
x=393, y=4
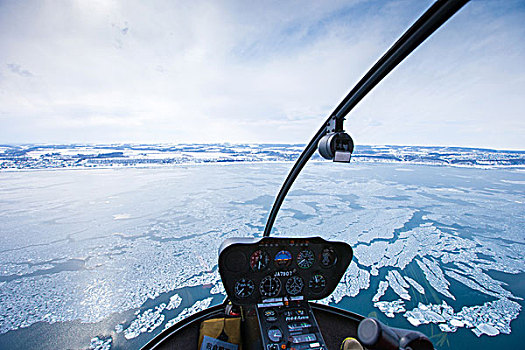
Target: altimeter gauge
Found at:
x=294, y=285
x=270, y=286
x=305, y=259
x=259, y=260
x=317, y=283
x=244, y=288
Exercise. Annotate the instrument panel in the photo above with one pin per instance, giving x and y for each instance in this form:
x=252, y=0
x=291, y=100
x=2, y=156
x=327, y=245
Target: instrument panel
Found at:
x=253, y=270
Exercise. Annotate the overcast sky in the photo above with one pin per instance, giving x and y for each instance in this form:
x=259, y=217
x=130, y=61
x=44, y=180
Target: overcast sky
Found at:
x=256, y=71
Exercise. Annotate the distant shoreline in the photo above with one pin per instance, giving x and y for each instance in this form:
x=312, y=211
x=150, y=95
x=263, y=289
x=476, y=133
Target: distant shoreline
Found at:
x=41, y=157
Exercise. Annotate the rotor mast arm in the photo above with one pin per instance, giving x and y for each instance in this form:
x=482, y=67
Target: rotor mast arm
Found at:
x=428, y=23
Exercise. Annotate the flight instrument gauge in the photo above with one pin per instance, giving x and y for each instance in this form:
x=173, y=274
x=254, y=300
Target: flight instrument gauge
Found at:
x=305, y=259
x=270, y=286
x=283, y=258
x=259, y=260
x=244, y=288
x=275, y=334
x=294, y=285
x=317, y=283
x=328, y=257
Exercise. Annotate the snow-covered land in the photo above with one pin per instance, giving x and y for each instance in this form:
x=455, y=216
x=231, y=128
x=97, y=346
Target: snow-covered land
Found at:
x=76, y=155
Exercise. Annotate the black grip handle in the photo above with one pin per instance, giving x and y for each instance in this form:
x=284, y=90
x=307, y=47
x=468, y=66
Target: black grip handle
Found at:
x=377, y=336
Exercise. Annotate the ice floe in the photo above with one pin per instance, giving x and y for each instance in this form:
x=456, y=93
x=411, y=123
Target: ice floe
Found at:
x=354, y=280
x=381, y=289
x=147, y=321
x=491, y=318
x=390, y=308
x=438, y=237
x=100, y=343
x=121, y=216
x=398, y=284
x=435, y=276
x=198, y=306
x=174, y=303
x=416, y=285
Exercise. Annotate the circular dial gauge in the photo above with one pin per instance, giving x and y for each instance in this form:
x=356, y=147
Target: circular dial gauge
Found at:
x=305, y=259
x=244, y=288
x=259, y=260
x=328, y=257
x=270, y=286
x=283, y=258
x=275, y=334
x=294, y=285
x=317, y=283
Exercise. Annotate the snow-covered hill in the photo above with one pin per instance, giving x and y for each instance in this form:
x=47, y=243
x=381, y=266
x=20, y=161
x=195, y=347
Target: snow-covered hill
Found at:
x=64, y=156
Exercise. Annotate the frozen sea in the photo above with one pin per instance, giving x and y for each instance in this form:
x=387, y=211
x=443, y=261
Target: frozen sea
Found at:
x=108, y=258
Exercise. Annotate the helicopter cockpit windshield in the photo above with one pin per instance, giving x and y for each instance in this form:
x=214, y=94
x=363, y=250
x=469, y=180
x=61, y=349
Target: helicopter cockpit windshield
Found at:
x=270, y=282
x=274, y=278
x=150, y=223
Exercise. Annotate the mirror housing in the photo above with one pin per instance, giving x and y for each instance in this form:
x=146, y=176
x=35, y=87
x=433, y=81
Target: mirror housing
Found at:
x=337, y=146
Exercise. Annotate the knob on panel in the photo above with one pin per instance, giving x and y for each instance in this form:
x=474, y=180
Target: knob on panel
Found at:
x=374, y=334
x=369, y=331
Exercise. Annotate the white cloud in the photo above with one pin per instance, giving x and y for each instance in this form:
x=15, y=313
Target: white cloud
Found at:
x=125, y=71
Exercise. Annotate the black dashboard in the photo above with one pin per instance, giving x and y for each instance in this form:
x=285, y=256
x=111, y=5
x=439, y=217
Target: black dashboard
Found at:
x=253, y=270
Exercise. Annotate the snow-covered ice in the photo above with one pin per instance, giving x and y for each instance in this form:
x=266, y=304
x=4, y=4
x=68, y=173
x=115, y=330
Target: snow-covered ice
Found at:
x=86, y=244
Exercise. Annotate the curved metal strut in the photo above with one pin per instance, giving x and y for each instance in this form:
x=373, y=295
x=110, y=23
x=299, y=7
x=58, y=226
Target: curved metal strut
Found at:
x=428, y=23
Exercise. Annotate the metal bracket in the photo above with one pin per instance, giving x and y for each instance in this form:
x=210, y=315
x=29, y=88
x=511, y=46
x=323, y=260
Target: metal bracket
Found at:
x=334, y=125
